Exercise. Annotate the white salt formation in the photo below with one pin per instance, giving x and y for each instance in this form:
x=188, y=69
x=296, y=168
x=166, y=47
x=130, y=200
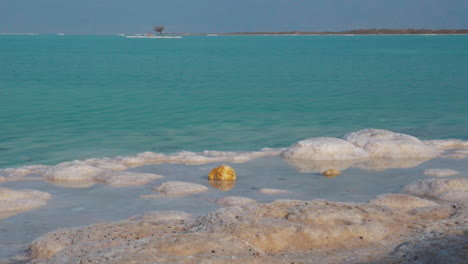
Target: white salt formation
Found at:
x=234, y=200
x=126, y=178
x=187, y=157
x=24, y=171
x=373, y=149
x=72, y=171
x=272, y=191
x=370, y=149
x=401, y=202
x=13, y=202
x=160, y=215
x=323, y=148
x=447, y=143
x=279, y=232
x=175, y=188
x=387, y=144
x=455, y=190
x=440, y=172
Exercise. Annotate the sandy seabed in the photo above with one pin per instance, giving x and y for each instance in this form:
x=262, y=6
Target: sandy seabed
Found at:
x=398, y=200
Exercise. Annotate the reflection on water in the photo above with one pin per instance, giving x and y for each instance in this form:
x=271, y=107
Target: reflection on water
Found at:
x=222, y=185
x=374, y=164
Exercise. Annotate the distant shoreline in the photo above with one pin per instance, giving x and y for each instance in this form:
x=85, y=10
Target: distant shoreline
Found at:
x=349, y=32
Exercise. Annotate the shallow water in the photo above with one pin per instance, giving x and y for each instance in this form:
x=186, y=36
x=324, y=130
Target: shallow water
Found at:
x=71, y=207
x=75, y=97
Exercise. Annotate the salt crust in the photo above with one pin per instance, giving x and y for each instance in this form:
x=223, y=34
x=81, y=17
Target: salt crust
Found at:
x=323, y=148
x=402, y=202
x=284, y=231
x=447, y=143
x=387, y=144
x=272, y=191
x=455, y=190
x=160, y=215
x=362, y=148
x=440, y=172
x=16, y=201
x=234, y=200
x=175, y=188
x=126, y=178
x=101, y=169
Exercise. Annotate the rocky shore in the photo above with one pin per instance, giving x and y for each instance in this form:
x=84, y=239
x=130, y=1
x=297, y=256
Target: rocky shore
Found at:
x=427, y=222
x=393, y=228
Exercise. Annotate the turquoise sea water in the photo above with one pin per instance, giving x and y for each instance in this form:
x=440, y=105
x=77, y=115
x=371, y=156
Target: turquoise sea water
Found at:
x=76, y=97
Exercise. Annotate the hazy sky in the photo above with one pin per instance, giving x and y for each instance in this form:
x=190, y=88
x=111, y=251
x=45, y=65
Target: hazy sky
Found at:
x=136, y=16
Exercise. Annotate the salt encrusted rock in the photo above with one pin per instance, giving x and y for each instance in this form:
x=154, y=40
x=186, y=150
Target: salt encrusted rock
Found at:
x=387, y=144
x=175, y=188
x=106, y=164
x=72, y=171
x=455, y=190
x=126, y=178
x=440, y=172
x=402, y=202
x=15, y=201
x=187, y=157
x=272, y=191
x=447, y=143
x=323, y=148
x=24, y=171
x=222, y=173
x=161, y=215
x=279, y=232
x=234, y=200
x=222, y=185
x=330, y=173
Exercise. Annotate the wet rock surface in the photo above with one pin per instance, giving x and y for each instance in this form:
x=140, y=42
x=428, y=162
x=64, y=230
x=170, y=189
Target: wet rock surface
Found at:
x=283, y=231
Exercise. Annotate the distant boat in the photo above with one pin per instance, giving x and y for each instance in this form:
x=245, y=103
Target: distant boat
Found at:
x=60, y=34
x=212, y=35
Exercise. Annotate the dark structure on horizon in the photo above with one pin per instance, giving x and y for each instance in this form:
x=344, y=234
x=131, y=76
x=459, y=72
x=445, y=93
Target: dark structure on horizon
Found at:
x=159, y=29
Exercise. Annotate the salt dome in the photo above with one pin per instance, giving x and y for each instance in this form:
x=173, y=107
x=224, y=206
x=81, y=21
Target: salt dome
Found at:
x=323, y=148
x=381, y=143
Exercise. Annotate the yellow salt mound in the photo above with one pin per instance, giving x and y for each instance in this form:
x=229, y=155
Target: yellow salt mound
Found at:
x=222, y=173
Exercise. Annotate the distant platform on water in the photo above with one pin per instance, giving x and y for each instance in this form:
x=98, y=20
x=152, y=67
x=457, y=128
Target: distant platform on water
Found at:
x=154, y=37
